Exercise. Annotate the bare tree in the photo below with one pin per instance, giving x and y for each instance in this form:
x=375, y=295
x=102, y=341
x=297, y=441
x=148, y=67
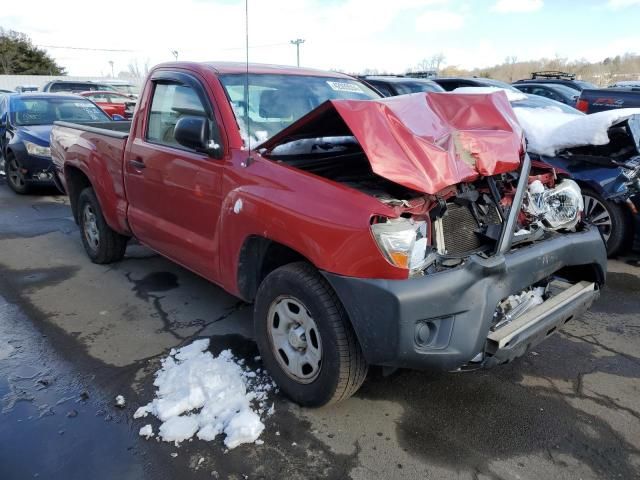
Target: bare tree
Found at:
x=137, y=72
x=434, y=62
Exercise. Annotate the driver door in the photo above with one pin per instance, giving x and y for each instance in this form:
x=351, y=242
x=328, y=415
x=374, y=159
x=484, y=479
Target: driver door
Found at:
x=174, y=193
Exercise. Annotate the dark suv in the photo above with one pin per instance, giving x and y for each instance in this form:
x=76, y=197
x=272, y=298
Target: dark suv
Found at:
x=392, y=85
x=559, y=78
x=75, y=86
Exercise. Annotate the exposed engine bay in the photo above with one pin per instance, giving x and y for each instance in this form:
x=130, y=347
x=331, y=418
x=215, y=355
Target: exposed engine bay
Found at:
x=435, y=232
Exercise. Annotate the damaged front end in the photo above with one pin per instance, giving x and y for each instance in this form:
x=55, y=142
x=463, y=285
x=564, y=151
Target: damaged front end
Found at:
x=484, y=234
x=452, y=168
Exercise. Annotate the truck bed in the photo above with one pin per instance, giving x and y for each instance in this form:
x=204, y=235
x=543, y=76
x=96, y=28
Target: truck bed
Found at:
x=110, y=129
x=97, y=150
x=592, y=101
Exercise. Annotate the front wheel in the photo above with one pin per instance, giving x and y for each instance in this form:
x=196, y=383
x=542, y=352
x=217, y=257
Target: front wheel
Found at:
x=102, y=244
x=610, y=218
x=15, y=177
x=305, y=337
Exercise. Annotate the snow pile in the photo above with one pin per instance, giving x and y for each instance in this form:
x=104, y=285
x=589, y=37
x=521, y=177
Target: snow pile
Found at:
x=550, y=130
x=146, y=431
x=511, y=95
x=199, y=394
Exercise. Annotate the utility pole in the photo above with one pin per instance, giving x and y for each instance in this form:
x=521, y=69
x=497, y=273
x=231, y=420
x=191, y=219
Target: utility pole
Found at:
x=175, y=54
x=111, y=63
x=297, y=43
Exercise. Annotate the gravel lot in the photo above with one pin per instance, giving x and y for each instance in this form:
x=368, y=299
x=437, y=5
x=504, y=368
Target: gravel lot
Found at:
x=73, y=335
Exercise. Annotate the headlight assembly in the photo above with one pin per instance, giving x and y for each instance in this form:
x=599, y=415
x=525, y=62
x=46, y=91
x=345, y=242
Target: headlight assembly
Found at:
x=37, y=150
x=403, y=242
x=555, y=208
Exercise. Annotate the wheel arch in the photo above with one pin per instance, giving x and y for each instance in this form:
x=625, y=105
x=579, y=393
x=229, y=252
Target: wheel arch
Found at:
x=76, y=181
x=259, y=256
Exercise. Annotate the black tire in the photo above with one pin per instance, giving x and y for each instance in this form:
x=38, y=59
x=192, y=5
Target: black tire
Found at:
x=614, y=233
x=103, y=245
x=15, y=179
x=343, y=368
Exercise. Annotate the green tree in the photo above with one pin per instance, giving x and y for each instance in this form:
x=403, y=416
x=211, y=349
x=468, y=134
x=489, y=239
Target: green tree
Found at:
x=18, y=56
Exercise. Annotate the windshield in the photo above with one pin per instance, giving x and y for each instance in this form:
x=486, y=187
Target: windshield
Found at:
x=536, y=101
x=584, y=84
x=45, y=111
x=495, y=83
x=276, y=101
x=127, y=89
x=415, y=86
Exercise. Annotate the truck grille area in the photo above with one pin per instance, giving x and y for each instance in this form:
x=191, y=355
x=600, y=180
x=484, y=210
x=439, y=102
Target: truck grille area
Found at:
x=462, y=230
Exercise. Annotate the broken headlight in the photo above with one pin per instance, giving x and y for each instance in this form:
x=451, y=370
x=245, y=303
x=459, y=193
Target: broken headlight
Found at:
x=555, y=208
x=403, y=242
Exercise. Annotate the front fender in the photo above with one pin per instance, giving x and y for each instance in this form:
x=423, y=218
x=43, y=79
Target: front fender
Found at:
x=327, y=225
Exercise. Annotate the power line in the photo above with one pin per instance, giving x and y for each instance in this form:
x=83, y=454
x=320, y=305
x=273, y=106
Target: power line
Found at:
x=65, y=47
x=87, y=48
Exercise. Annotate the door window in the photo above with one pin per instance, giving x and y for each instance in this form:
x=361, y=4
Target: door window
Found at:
x=170, y=102
x=543, y=92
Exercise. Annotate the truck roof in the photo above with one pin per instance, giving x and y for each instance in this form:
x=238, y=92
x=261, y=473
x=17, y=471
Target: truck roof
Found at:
x=257, y=68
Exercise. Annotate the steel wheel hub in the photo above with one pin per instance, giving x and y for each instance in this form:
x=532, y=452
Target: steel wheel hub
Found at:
x=90, y=227
x=597, y=214
x=295, y=339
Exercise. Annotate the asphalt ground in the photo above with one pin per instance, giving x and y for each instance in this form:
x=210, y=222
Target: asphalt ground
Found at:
x=73, y=335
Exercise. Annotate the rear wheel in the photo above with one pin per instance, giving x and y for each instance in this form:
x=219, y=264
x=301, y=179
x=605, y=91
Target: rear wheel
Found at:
x=305, y=337
x=610, y=218
x=15, y=177
x=102, y=244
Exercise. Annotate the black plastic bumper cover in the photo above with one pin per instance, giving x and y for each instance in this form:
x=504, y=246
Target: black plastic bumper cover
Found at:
x=441, y=321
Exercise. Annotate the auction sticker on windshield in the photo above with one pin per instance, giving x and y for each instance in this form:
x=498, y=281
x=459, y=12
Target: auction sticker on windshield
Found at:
x=345, y=87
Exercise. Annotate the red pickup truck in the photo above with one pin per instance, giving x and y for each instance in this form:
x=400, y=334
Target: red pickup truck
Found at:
x=404, y=232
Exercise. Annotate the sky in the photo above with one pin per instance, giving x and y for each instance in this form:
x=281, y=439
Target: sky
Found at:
x=348, y=35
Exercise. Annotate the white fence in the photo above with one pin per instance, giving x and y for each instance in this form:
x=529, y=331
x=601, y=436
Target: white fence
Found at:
x=10, y=82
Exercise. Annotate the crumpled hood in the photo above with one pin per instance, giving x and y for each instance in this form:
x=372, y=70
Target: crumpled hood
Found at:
x=39, y=133
x=424, y=141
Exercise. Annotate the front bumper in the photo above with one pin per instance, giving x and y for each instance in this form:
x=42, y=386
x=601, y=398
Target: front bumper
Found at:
x=38, y=169
x=442, y=321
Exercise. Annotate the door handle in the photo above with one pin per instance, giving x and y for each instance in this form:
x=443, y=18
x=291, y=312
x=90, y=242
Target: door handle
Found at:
x=137, y=163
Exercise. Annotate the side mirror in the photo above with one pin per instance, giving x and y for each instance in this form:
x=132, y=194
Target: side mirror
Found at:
x=117, y=118
x=193, y=132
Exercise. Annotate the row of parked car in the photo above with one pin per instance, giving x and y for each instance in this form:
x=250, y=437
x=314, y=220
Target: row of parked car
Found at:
x=115, y=98
x=608, y=175
x=27, y=116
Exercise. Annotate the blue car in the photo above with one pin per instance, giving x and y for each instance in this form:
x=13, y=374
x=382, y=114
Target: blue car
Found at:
x=609, y=176
x=25, y=125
